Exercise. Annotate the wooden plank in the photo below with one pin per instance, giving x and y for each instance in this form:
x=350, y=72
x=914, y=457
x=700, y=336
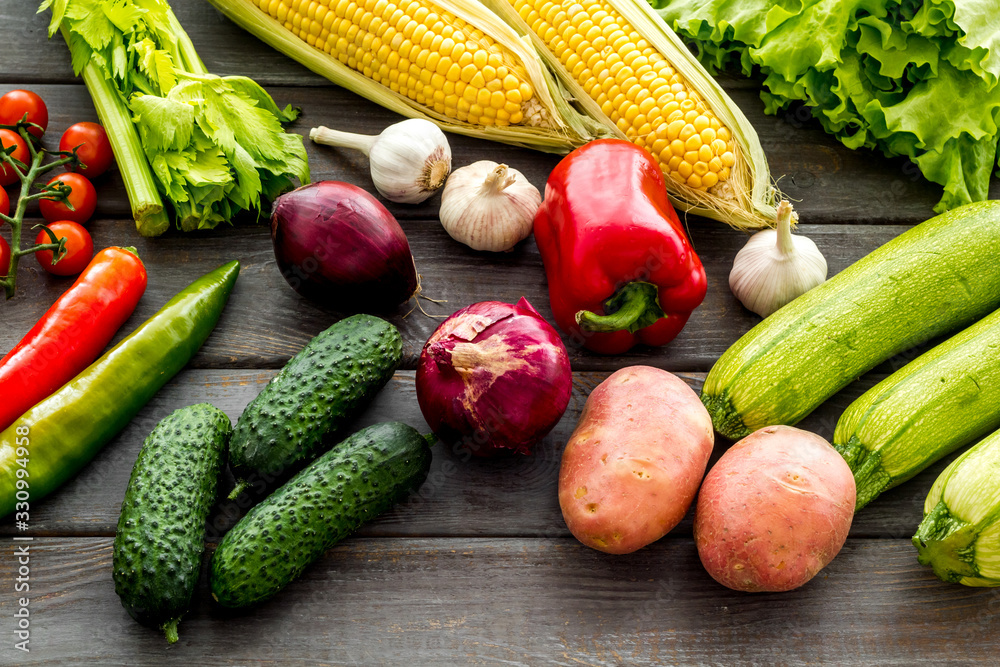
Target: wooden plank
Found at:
x=266, y=322
x=516, y=602
x=463, y=496
x=828, y=183
x=29, y=56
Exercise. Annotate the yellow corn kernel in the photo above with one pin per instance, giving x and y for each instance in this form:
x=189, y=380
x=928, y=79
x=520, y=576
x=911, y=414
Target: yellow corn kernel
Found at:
x=635, y=86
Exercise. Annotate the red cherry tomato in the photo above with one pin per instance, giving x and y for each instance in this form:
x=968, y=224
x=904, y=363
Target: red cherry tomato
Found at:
x=4, y=203
x=10, y=138
x=16, y=103
x=4, y=257
x=83, y=197
x=94, y=148
x=79, y=248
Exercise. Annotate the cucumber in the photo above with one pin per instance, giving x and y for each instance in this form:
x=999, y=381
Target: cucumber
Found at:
x=355, y=481
x=317, y=392
x=945, y=399
x=161, y=530
x=935, y=278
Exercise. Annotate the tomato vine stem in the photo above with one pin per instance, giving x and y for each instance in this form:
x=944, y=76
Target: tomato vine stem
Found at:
x=28, y=174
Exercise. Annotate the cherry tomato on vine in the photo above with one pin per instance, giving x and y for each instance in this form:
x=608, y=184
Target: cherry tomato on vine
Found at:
x=79, y=248
x=10, y=138
x=83, y=197
x=4, y=257
x=4, y=203
x=16, y=103
x=94, y=148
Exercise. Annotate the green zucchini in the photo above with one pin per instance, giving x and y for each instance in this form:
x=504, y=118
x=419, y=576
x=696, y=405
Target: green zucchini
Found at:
x=318, y=391
x=161, y=530
x=352, y=483
x=935, y=278
x=960, y=534
x=945, y=399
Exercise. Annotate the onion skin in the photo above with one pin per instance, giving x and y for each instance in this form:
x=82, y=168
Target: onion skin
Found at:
x=495, y=378
x=337, y=244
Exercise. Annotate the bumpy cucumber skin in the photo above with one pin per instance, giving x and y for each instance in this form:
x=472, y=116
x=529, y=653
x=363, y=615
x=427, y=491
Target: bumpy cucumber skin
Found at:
x=161, y=530
x=932, y=279
x=317, y=392
x=354, y=482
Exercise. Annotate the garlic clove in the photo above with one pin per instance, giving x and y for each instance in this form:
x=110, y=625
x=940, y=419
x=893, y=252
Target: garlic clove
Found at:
x=775, y=267
x=489, y=206
x=409, y=160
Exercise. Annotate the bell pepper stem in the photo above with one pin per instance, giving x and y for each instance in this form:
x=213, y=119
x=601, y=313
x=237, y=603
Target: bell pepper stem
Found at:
x=634, y=306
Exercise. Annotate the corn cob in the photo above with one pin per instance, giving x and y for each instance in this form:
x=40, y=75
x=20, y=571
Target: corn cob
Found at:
x=623, y=64
x=422, y=52
x=960, y=533
x=635, y=86
x=454, y=63
x=549, y=75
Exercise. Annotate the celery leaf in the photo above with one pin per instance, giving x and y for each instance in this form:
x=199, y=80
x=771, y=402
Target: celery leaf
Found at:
x=163, y=123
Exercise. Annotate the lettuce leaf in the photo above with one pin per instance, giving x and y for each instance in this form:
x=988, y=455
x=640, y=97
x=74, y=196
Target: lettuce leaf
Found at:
x=919, y=78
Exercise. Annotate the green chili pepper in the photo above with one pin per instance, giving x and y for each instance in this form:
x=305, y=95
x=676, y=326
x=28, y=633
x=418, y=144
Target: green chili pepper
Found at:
x=57, y=437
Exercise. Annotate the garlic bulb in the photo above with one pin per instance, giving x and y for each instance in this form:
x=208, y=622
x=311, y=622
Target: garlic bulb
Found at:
x=774, y=267
x=489, y=206
x=409, y=160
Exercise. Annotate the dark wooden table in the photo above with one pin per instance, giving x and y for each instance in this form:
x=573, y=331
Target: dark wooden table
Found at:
x=479, y=567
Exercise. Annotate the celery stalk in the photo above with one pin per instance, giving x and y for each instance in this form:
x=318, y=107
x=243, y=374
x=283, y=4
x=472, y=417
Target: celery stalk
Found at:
x=147, y=206
x=191, y=60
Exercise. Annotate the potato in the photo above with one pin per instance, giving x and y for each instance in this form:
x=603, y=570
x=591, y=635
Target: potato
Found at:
x=632, y=466
x=774, y=510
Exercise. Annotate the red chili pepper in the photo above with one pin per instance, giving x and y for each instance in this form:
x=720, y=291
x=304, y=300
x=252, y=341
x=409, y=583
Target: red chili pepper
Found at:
x=72, y=333
x=620, y=268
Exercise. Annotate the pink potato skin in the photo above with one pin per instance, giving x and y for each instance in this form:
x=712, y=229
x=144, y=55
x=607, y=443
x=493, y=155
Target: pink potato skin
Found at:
x=632, y=466
x=774, y=510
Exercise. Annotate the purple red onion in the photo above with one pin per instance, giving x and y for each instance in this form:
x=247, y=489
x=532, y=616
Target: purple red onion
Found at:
x=494, y=377
x=337, y=244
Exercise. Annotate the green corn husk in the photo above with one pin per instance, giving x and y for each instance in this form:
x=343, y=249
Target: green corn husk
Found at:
x=960, y=534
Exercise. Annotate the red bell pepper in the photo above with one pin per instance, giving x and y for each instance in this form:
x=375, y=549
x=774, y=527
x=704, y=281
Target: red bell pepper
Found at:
x=72, y=333
x=620, y=268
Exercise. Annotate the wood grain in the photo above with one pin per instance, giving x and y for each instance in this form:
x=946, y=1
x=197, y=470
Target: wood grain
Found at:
x=488, y=601
x=827, y=182
x=28, y=55
x=266, y=322
x=477, y=567
x=463, y=496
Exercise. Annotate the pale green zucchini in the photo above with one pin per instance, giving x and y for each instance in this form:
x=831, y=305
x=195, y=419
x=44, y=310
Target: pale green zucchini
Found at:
x=935, y=278
x=960, y=534
x=943, y=400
